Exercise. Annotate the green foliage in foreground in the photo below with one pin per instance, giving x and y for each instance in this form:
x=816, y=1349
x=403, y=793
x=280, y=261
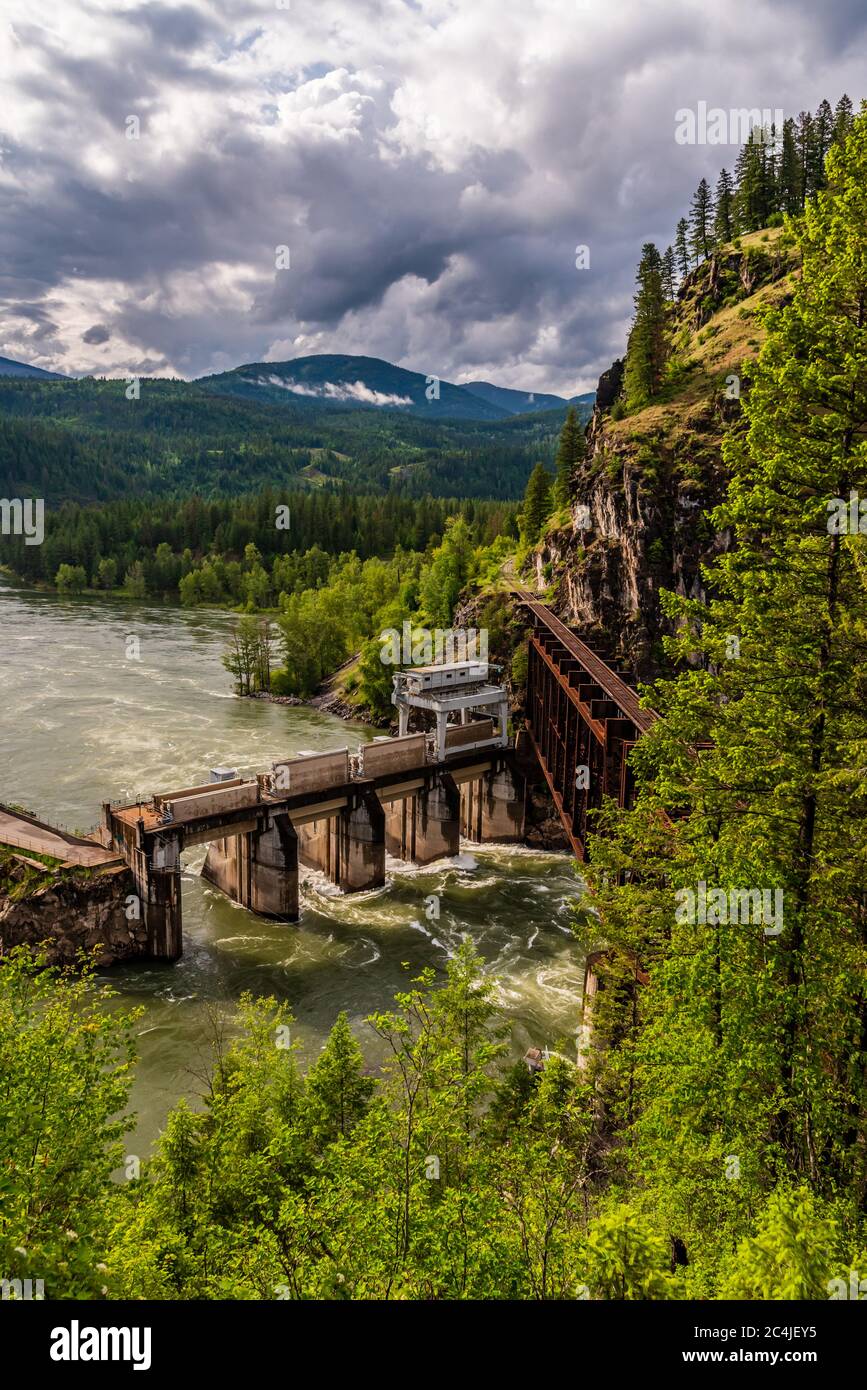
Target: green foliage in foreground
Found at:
x=449, y=1175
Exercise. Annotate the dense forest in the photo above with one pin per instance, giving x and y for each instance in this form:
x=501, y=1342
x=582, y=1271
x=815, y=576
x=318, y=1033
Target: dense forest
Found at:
x=86, y=441
x=150, y=548
x=776, y=173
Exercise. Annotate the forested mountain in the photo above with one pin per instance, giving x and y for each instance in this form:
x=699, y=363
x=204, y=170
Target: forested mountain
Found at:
x=8, y=367
x=515, y=402
x=91, y=440
x=355, y=383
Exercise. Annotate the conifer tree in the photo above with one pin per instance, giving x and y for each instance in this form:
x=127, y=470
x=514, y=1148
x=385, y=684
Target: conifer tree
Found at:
x=701, y=221
x=823, y=132
x=843, y=118
x=669, y=273
x=337, y=1089
x=570, y=452
x=753, y=191
x=681, y=247
x=788, y=196
x=646, y=350
x=723, y=225
x=537, y=504
x=806, y=142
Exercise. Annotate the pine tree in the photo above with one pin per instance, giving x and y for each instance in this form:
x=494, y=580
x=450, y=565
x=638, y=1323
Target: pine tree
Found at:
x=751, y=174
x=681, y=248
x=570, y=452
x=669, y=273
x=701, y=222
x=806, y=144
x=647, y=348
x=823, y=131
x=723, y=227
x=788, y=197
x=337, y=1089
x=843, y=118
x=537, y=504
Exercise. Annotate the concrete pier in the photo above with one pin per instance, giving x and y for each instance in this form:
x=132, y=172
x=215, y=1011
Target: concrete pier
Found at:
x=347, y=845
x=493, y=805
x=258, y=869
x=423, y=824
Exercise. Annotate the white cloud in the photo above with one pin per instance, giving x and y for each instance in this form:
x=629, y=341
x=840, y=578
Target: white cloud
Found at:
x=355, y=391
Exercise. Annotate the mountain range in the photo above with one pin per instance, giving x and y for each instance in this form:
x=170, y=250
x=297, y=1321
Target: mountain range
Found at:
x=346, y=382
x=359, y=383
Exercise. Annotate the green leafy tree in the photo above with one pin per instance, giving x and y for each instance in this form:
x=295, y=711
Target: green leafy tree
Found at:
x=106, y=574
x=66, y=1063
x=447, y=574
x=70, y=579
x=747, y=1044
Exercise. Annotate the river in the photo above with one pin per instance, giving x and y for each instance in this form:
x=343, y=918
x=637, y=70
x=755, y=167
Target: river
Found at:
x=83, y=719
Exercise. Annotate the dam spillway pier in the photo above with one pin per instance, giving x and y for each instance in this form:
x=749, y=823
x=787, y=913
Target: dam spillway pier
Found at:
x=336, y=812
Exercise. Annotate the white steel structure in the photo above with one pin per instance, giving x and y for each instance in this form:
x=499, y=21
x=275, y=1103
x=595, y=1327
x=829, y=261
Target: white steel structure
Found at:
x=456, y=687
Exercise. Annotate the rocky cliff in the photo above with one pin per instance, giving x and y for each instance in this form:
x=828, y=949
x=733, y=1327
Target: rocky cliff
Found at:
x=637, y=520
x=70, y=911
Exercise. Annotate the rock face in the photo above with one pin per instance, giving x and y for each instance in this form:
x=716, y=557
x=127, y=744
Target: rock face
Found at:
x=609, y=386
x=72, y=912
x=637, y=527
x=639, y=503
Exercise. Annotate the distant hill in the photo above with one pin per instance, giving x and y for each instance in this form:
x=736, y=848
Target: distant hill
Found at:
x=345, y=382
x=514, y=402
x=10, y=368
x=317, y=422
x=353, y=383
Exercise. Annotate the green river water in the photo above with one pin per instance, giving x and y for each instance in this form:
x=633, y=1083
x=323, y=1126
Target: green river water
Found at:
x=80, y=723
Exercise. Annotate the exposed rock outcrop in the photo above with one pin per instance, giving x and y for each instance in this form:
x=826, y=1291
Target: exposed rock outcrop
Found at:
x=70, y=912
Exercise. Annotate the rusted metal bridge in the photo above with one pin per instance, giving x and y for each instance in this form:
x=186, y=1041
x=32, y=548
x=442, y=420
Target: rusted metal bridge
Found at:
x=582, y=720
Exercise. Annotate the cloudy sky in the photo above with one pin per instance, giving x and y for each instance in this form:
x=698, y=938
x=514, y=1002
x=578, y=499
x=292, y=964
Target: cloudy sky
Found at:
x=430, y=165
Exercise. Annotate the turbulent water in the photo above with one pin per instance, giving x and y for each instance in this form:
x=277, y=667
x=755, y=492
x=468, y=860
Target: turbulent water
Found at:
x=82, y=721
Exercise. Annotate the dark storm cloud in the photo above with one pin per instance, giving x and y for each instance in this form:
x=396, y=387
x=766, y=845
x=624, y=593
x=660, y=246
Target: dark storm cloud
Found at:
x=431, y=181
